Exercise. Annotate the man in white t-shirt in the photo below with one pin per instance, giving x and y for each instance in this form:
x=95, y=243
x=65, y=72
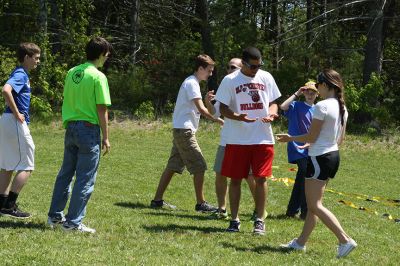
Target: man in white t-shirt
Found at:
x=185, y=150
x=221, y=182
x=247, y=100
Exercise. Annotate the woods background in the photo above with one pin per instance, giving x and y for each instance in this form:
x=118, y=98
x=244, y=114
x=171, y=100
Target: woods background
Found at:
x=154, y=43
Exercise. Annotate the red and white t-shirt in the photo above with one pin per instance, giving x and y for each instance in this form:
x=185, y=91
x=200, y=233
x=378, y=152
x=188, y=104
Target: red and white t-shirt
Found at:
x=250, y=95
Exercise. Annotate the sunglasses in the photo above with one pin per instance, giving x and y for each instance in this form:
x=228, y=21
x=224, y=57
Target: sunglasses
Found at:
x=253, y=67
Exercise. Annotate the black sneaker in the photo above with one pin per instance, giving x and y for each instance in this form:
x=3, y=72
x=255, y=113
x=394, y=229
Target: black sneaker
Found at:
x=205, y=207
x=161, y=204
x=15, y=212
x=234, y=227
x=259, y=227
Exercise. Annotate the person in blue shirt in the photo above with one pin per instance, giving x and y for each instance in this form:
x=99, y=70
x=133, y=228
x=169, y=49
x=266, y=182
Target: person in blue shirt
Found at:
x=299, y=115
x=16, y=144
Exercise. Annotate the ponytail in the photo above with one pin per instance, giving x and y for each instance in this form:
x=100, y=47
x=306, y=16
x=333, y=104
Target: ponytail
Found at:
x=334, y=81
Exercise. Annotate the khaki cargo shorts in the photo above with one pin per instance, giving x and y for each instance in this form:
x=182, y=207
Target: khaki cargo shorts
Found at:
x=186, y=152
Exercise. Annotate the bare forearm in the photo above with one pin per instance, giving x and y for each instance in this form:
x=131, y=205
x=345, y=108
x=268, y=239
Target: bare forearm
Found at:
x=204, y=112
x=210, y=107
x=302, y=138
x=228, y=113
x=102, y=112
x=273, y=109
x=285, y=105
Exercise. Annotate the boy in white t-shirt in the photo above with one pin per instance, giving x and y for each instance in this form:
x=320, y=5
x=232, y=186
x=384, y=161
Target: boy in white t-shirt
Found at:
x=185, y=150
x=247, y=103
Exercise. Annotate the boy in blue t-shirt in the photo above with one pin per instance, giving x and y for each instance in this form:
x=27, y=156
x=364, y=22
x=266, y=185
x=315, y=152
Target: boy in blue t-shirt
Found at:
x=299, y=115
x=16, y=144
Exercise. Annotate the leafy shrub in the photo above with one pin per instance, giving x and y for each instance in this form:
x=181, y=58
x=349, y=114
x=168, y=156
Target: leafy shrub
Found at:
x=368, y=105
x=145, y=111
x=41, y=108
x=7, y=64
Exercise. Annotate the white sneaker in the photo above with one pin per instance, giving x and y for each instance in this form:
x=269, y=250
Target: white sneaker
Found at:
x=293, y=245
x=344, y=249
x=80, y=228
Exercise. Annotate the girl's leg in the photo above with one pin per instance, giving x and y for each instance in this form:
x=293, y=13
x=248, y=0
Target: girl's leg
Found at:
x=314, y=193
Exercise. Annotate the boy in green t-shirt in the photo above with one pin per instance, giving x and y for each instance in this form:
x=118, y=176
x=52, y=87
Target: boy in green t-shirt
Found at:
x=84, y=114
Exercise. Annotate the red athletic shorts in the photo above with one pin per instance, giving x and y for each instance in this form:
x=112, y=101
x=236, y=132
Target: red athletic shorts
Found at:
x=239, y=158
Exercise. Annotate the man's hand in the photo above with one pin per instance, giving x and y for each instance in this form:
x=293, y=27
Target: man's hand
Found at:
x=244, y=118
x=105, y=145
x=269, y=118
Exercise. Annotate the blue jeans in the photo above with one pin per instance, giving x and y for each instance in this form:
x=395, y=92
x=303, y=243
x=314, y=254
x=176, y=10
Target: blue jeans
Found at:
x=82, y=146
x=298, y=198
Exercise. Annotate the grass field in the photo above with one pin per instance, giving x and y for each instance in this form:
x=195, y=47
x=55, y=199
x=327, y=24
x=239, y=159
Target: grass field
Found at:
x=130, y=233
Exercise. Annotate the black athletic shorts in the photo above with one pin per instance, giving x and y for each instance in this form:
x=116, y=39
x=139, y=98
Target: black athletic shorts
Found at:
x=323, y=166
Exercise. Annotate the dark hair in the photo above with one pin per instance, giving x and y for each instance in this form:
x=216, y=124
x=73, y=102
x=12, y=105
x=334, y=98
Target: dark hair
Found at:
x=251, y=53
x=26, y=48
x=334, y=81
x=97, y=46
x=203, y=61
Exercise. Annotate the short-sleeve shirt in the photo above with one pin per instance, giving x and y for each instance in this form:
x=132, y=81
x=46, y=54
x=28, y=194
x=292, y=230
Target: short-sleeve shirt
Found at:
x=250, y=95
x=21, y=91
x=85, y=87
x=299, y=116
x=185, y=113
x=327, y=111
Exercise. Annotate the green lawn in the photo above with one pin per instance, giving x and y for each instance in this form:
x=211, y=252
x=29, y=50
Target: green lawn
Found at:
x=130, y=233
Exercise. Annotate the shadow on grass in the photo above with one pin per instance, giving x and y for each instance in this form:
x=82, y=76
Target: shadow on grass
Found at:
x=138, y=205
x=21, y=224
x=260, y=249
x=180, y=228
x=282, y=217
x=132, y=205
x=178, y=215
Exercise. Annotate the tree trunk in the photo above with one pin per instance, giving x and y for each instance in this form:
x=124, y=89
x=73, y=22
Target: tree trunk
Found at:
x=307, y=61
x=275, y=29
x=43, y=29
x=55, y=40
x=373, y=48
x=135, y=29
x=205, y=31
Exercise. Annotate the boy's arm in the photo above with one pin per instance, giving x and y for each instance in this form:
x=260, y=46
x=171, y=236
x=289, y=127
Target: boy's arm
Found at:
x=7, y=94
x=210, y=107
x=103, y=119
x=285, y=105
x=203, y=110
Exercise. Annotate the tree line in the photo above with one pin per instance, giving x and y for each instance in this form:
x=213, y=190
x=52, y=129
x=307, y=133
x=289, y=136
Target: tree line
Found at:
x=154, y=42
